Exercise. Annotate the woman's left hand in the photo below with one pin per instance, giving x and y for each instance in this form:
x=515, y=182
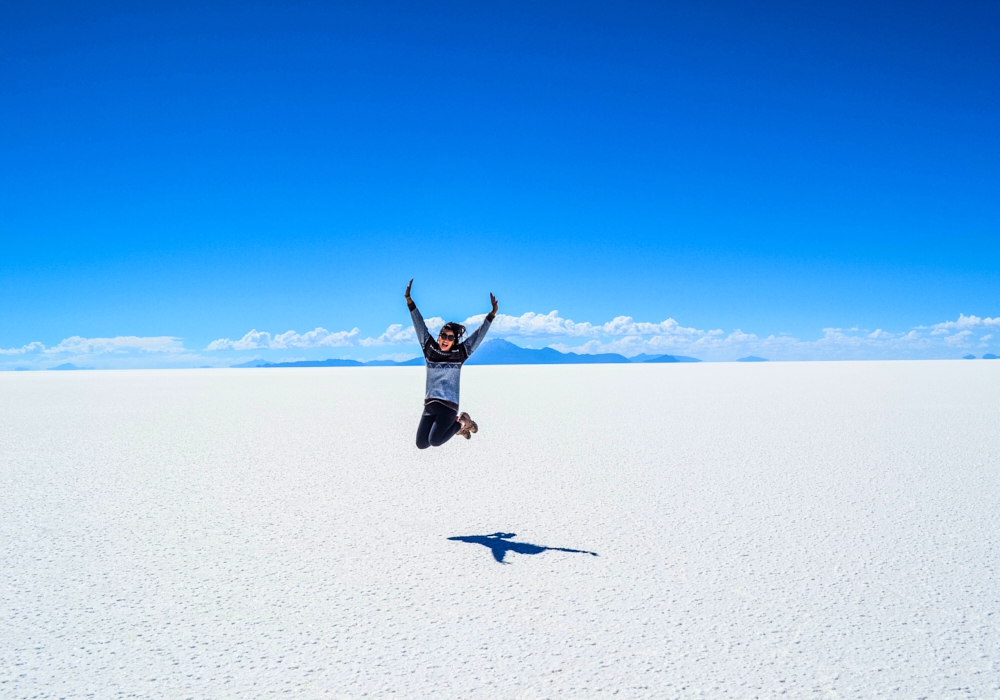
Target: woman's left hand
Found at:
x=496, y=306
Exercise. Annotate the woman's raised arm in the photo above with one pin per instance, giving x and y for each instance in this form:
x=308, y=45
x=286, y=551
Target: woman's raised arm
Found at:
x=477, y=336
x=418, y=321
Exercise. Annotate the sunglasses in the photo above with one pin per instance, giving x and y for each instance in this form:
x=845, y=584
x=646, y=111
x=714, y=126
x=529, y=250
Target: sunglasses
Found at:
x=446, y=336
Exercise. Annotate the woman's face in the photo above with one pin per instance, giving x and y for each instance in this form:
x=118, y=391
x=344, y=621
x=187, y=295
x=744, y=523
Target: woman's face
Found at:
x=446, y=339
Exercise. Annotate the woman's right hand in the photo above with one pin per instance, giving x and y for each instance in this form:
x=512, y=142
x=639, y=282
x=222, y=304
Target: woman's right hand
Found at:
x=407, y=295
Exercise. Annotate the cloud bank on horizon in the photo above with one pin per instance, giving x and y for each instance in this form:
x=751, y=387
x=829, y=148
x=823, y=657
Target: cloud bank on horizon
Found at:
x=623, y=335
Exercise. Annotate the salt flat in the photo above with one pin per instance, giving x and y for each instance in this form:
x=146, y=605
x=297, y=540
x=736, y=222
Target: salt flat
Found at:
x=807, y=529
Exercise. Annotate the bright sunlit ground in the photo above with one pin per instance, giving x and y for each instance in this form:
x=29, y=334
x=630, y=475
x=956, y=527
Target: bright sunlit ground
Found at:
x=818, y=529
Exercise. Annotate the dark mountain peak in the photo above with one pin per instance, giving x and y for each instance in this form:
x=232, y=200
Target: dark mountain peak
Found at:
x=662, y=358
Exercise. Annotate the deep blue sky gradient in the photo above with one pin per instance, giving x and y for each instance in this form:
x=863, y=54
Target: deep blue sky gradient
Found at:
x=201, y=169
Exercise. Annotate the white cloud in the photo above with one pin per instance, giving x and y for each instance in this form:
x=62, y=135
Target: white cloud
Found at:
x=262, y=340
x=251, y=341
x=966, y=322
x=528, y=325
x=119, y=344
x=29, y=349
x=532, y=324
x=625, y=325
x=318, y=338
x=552, y=325
x=959, y=340
x=835, y=343
x=398, y=334
x=122, y=344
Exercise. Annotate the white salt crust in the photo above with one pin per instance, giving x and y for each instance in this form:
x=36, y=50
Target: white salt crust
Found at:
x=823, y=530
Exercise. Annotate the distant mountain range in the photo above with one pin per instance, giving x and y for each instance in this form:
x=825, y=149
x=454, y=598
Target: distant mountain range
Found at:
x=492, y=352
x=502, y=352
x=664, y=358
x=330, y=363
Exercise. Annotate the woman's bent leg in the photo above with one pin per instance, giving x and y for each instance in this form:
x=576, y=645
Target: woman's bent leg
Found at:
x=444, y=428
x=438, y=425
x=424, y=430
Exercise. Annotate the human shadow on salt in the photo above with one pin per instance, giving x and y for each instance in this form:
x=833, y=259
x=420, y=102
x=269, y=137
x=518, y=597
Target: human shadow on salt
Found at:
x=499, y=543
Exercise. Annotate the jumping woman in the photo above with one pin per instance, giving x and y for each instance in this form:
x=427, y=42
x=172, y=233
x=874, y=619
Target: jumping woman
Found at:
x=445, y=357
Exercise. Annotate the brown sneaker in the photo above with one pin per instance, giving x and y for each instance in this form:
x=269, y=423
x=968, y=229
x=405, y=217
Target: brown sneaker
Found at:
x=466, y=420
x=468, y=426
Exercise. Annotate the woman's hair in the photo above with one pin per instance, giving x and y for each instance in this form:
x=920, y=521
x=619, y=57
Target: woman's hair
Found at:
x=457, y=328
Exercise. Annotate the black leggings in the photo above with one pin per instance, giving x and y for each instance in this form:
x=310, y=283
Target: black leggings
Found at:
x=438, y=425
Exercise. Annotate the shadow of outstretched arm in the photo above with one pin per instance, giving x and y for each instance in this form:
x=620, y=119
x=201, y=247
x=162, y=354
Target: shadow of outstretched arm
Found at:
x=575, y=551
x=500, y=543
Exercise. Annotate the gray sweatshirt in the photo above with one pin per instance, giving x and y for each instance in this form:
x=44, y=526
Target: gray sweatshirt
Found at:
x=444, y=369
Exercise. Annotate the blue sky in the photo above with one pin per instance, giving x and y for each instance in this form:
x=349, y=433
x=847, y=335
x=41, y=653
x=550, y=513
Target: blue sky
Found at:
x=733, y=178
